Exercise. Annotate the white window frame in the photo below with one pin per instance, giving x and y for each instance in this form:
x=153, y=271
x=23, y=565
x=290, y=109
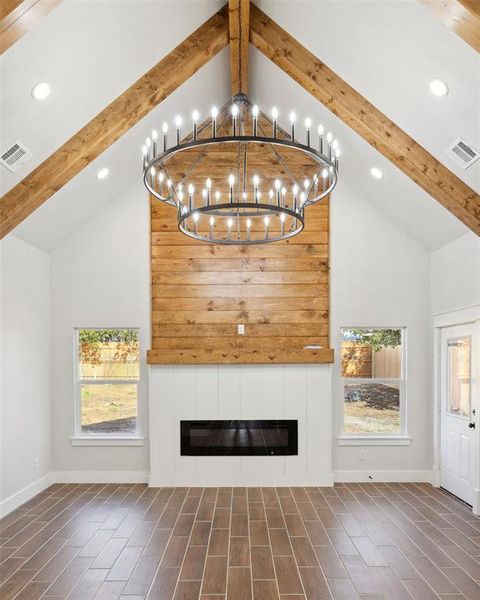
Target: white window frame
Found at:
x=81, y=438
x=377, y=439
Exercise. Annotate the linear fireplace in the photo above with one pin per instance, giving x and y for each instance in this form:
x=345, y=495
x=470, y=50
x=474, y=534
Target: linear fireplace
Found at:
x=239, y=438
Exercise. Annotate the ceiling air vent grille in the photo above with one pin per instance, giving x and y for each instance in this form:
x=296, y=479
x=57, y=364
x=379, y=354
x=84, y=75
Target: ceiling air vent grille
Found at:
x=15, y=156
x=462, y=154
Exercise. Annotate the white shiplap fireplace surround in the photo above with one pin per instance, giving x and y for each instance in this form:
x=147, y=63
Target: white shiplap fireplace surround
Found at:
x=302, y=392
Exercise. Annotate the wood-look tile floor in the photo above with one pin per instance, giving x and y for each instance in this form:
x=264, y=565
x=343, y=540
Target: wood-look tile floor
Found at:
x=350, y=542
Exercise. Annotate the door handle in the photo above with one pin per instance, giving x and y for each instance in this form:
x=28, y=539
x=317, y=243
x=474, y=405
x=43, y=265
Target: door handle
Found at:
x=471, y=425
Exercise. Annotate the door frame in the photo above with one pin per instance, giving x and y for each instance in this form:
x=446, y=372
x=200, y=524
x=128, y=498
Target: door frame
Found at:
x=464, y=316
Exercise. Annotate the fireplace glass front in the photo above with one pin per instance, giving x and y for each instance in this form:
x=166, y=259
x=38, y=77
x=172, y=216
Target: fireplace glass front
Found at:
x=239, y=438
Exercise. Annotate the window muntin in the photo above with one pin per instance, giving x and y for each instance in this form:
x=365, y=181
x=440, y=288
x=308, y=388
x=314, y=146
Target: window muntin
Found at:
x=372, y=381
x=108, y=371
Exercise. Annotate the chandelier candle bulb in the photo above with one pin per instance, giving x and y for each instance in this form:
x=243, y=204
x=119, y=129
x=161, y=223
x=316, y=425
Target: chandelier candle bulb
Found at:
x=284, y=196
x=195, y=222
x=231, y=181
x=248, y=225
x=274, y=121
x=195, y=117
x=205, y=196
x=277, y=185
x=154, y=138
x=234, y=119
x=295, y=196
x=191, y=191
x=217, y=197
x=321, y=131
x=293, y=118
x=266, y=221
x=208, y=183
x=214, y=114
x=212, y=223
x=255, y=112
x=180, y=200
x=229, y=228
x=165, y=132
x=178, y=125
x=329, y=142
x=308, y=126
x=282, y=224
x=256, y=181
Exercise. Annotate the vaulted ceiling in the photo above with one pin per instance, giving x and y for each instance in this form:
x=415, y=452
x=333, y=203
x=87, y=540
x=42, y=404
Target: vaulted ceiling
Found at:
x=387, y=50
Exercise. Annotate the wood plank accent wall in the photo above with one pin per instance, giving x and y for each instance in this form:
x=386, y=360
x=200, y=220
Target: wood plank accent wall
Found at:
x=201, y=292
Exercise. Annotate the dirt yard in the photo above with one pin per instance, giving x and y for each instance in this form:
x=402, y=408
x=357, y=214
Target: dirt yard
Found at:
x=372, y=408
x=109, y=408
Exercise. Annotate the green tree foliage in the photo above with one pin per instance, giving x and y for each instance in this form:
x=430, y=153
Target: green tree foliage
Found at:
x=91, y=341
x=377, y=338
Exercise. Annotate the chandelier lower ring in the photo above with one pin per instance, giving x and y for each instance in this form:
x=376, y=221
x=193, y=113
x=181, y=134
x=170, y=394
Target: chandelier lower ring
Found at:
x=225, y=210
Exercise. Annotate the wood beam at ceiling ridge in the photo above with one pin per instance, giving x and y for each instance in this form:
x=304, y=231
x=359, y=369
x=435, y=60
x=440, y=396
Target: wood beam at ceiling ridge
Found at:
x=239, y=16
x=115, y=120
x=461, y=16
x=18, y=17
x=361, y=116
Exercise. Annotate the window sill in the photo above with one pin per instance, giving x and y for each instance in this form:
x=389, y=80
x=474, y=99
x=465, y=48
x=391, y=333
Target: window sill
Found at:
x=91, y=440
x=351, y=440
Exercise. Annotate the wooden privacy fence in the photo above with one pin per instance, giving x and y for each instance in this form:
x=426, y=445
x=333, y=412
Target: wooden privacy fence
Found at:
x=360, y=361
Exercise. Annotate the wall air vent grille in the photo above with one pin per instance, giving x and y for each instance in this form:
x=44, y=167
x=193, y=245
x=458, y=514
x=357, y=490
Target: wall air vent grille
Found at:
x=13, y=158
x=462, y=154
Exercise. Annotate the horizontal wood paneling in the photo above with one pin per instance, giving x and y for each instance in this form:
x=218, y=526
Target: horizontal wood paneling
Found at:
x=201, y=292
x=202, y=330
x=261, y=251
x=233, y=317
x=241, y=303
x=239, y=264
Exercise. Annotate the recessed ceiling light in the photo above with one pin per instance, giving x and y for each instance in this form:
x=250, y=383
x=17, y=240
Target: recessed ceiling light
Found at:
x=41, y=90
x=103, y=173
x=438, y=88
x=375, y=172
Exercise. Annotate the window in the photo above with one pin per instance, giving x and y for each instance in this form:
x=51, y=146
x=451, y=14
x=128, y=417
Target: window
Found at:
x=459, y=369
x=373, y=381
x=108, y=369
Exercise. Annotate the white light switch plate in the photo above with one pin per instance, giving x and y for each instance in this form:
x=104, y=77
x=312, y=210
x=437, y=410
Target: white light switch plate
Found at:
x=241, y=329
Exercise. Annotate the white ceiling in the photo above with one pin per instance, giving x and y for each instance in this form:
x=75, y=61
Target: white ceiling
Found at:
x=90, y=52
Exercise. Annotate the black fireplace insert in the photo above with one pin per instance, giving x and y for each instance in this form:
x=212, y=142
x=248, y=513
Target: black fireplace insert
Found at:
x=239, y=438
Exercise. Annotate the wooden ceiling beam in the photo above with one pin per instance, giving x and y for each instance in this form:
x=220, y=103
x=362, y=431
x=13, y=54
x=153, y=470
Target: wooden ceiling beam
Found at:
x=239, y=16
x=115, y=120
x=18, y=17
x=361, y=116
x=461, y=16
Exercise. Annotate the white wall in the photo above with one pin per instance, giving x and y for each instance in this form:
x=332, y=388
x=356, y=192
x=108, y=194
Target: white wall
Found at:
x=100, y=279
x=25, y=366
x=455, y=274
x=380, y=277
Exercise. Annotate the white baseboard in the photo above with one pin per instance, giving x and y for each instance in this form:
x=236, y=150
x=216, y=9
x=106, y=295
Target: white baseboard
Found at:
x=25, y=494
x=101, y=476
x=382, y=476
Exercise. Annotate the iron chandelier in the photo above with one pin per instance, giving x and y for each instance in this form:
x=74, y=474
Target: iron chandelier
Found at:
x=239, y=178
